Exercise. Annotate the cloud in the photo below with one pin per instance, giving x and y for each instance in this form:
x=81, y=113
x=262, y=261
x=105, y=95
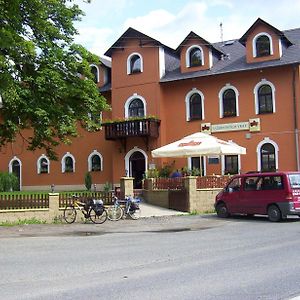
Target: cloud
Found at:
x=96, y=40
x=104, y=21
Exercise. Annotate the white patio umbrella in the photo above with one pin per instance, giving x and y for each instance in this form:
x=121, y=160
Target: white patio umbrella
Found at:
x=198, y=144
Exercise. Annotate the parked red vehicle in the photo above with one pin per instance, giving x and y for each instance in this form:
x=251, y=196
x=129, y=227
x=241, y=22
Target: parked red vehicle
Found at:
x=275, y=194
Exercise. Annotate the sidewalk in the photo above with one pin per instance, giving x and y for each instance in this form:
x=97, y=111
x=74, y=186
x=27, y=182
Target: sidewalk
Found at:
x=148, y=210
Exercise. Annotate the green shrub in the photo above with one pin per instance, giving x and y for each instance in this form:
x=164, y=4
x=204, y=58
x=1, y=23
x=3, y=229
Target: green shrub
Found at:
x=88, y=181
x=107, y=187
x=8, y=182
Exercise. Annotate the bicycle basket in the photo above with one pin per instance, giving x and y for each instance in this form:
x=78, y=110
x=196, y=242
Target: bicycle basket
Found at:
x=98, y=206
x=134, y=206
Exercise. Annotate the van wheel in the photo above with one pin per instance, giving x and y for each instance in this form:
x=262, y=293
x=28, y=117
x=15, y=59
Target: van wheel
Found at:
x=274, y=213
x=222, y=211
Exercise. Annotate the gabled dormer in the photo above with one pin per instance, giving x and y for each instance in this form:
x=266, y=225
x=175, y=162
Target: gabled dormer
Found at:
x=264, y=42
x=196, y=53
x=136, y=59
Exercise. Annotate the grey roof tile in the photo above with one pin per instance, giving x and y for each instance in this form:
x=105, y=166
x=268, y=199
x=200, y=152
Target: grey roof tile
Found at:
x=235, y=60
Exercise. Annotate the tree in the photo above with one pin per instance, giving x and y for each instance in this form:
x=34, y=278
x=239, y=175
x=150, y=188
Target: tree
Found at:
x=45, y=80
x=88, y=180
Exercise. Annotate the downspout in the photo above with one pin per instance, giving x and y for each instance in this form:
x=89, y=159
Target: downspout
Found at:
x=296, y=131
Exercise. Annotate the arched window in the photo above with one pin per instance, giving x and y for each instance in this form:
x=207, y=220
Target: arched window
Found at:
x=267, y=157
x=264, y=93
x=95, y=72
x=195, y=107
x=229, y=103
x=134, y=63
x=68, y=163
x=43, y=165
x=95, y=161
x=136, y=108
x=195, y=57
x=263, y=47
x=265, y=101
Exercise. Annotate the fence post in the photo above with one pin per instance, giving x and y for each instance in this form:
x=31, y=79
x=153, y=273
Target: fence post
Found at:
x=148, y=184
x=190, y=184
x=126, y=186
x=53, y=206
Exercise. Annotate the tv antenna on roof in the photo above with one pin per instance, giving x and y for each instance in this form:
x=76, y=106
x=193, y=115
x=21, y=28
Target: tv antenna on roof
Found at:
x=221, y=31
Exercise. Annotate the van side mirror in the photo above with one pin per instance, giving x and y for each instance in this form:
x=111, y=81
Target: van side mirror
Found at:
x=230, y=190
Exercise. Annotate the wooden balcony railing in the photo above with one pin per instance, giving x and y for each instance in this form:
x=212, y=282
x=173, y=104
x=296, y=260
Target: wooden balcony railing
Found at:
x=132, y=128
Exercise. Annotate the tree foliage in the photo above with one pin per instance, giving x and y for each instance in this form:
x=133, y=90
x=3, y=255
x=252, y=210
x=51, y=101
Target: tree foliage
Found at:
x=41, y=74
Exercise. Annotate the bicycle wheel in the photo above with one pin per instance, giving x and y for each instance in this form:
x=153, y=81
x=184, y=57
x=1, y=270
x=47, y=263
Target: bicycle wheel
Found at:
x=135, y=213
x=97, y=218
x=115, y=213
x=70, y=214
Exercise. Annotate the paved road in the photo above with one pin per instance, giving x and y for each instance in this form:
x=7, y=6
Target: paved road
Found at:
x=184, y=257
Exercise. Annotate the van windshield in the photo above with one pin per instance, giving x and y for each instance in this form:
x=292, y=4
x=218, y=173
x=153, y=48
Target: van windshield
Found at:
x=294, y=180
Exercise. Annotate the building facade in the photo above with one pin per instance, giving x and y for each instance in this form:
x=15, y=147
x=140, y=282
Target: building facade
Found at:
x=244, y=90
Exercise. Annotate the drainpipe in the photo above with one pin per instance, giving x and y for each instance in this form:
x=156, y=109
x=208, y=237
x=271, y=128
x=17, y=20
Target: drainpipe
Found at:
x=296, y=131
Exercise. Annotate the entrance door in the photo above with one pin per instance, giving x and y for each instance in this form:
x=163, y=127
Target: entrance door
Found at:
x=16, y=169
x=137, y=167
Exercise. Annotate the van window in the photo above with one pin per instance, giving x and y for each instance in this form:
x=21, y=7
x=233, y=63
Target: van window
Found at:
x=234, y=185
x=294, y=180
x=251, y=183
x=257, y=183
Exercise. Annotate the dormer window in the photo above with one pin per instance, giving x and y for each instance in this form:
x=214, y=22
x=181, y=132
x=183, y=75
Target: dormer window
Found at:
x=134, y=64
x=95, y=72
x=262, y=45
x=194, y=57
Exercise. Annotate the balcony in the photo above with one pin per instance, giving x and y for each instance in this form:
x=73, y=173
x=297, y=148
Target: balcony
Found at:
x=144, y=128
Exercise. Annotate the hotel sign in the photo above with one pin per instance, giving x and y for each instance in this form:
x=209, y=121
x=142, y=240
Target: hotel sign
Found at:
x=252, y=125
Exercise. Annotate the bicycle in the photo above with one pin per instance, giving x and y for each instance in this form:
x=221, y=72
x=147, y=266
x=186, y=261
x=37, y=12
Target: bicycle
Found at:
x=131, y=208
x=94, y=211
x=115, y=212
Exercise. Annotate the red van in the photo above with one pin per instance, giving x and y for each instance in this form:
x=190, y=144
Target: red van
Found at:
x=275, y=194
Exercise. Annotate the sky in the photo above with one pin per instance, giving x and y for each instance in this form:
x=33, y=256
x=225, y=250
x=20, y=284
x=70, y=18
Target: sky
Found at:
x=170, y=21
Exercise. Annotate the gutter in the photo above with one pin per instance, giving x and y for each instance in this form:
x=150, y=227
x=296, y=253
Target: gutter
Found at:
x=296, y=130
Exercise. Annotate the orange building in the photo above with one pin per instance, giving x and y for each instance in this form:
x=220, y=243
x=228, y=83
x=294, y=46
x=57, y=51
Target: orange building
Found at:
x=245, y=90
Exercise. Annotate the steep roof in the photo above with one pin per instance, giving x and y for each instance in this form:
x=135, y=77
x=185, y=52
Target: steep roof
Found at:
x=259, y=21
x=192, y=36
x=235, y=59
x=131, y=33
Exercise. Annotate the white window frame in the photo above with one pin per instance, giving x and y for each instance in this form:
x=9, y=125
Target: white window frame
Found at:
x=131, y=98
x=129, y=60
x=254, y=43
x=266, y=140
x=189, y=163
x=223, y=164
x=10, y=168
x=223, y=89
x=95, y=152
x=255, y=91
x=63, y=165
x=187, y=103
x=187, y=55
x=38, y=164
x=128, y=169
x=98, y=71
